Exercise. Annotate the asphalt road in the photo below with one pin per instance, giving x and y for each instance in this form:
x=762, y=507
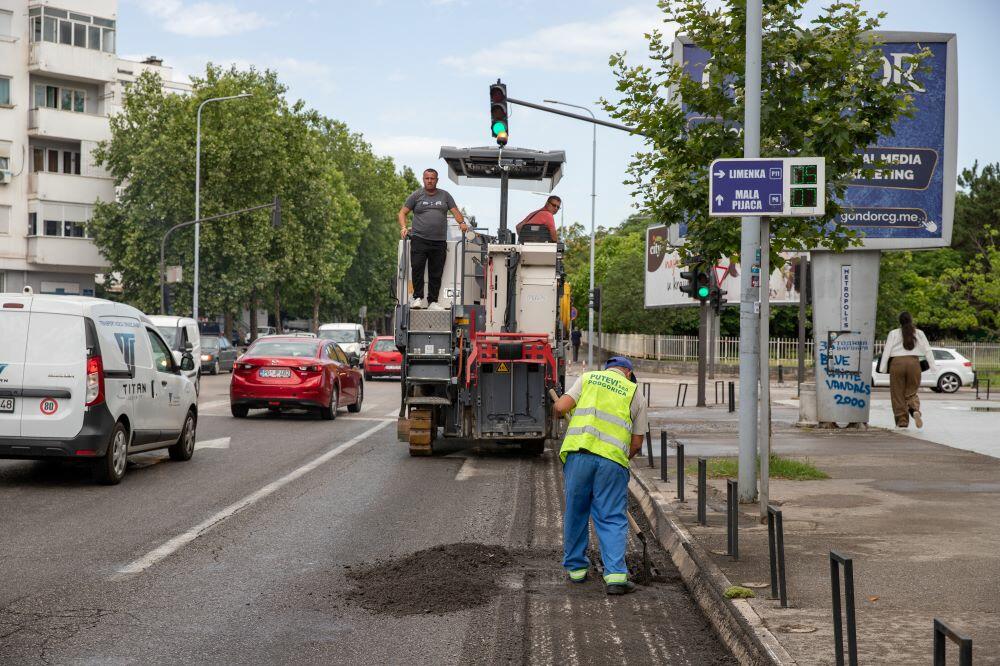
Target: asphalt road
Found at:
x=239, y=555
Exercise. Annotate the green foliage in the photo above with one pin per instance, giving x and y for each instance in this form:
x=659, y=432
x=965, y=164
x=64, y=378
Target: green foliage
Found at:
x=780, y=468
x=822, y=94
x=334, y=193
x=738, y=592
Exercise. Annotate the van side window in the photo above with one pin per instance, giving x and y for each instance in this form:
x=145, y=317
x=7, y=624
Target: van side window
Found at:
x=163, y=361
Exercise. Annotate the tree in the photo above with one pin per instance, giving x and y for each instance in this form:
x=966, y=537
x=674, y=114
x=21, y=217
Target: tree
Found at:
x=822, y=94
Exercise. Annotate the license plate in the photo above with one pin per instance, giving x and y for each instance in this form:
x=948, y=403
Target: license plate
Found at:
x=392, y=367
x=275, y=372
x=7, y=405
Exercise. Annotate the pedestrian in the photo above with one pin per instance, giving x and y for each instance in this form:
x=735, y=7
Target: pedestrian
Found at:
x=544, y=216
x=428, y=237
x=576, y=336
x=604, y=434
x=901, y=359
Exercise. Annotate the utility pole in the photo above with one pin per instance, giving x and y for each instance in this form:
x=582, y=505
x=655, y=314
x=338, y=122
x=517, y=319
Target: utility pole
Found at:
x=750, y=268
x=703, y=317
x=803, y=273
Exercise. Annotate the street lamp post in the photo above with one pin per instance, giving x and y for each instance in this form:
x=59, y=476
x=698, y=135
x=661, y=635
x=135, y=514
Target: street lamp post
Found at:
x=593, y=202
x=197, y=197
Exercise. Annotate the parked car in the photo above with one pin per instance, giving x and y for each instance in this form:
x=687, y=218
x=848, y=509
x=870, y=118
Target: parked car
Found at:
x=951, y=372
x=350, y=337
x=217, y=355
x=182, y=335
x=383, y=359
x=292, y=372
x=88, y=379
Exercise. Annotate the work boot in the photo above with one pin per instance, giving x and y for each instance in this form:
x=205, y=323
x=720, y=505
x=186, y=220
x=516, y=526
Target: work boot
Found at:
x=620, y=588
x=578, y=576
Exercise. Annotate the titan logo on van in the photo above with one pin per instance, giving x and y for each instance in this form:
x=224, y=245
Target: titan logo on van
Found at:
x=132, y=390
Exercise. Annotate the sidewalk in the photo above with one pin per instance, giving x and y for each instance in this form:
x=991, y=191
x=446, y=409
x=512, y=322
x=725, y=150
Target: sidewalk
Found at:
x=920, y=520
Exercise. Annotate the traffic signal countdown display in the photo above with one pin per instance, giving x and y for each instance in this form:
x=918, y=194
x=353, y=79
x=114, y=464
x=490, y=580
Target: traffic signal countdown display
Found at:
x=499, y=112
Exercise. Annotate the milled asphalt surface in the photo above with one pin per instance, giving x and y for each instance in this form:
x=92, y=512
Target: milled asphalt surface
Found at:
x=267, y=584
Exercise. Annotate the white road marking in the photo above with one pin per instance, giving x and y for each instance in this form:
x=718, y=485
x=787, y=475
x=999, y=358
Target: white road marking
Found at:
x=220, y=443
x=365, y=418
x=213, y=404
x=173, y=545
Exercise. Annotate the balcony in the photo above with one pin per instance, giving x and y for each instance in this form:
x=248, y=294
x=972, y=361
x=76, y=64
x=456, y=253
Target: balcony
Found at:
x=71, y=62
x=68, y=125
x=70, y=188
x=68, y=252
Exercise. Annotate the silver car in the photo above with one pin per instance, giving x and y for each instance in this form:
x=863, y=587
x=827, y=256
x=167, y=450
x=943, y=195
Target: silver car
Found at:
x=952, y=370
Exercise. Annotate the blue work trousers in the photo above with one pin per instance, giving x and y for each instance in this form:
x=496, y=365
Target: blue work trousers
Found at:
x=597, y=488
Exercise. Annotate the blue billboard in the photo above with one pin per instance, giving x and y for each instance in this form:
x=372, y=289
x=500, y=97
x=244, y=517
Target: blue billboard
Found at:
x=907, y=201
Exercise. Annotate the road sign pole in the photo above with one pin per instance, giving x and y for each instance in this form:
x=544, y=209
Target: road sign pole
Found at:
x=749, y=261
x=764, y=418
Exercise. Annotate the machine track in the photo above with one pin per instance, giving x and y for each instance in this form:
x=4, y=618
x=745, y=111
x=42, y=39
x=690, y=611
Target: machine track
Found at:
x=421, y=432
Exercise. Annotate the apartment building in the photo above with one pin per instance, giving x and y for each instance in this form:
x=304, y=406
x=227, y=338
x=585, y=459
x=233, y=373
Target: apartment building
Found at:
x=60, y=80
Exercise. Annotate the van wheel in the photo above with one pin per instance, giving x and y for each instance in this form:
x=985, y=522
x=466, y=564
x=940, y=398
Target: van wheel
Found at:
x=111, y=468
x=184, y=448
x=356, y=407
x=329, y=412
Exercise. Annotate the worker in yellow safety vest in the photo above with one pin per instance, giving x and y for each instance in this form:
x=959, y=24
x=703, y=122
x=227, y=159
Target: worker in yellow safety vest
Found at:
x=605, y=432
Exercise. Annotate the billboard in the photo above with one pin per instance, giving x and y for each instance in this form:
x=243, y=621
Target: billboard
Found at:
x=663, y=279
x=909, y=200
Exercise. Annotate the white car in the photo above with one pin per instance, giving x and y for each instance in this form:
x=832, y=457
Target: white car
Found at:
x=952, y=370
x=350, y=337
x=88, y=379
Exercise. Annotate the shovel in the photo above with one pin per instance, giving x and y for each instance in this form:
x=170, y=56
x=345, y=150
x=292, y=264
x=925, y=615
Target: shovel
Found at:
x=647, y=568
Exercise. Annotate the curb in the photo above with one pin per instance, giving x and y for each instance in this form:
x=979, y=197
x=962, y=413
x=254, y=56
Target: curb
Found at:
x=734, y=620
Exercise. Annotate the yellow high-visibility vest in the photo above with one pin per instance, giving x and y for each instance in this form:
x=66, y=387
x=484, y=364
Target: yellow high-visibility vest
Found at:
x=602, y=419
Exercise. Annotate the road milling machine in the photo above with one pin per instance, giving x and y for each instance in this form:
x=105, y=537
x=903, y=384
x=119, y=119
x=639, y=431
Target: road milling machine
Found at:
x=480, y=369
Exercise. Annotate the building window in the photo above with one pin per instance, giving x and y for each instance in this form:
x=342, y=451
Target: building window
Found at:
x=38, y=160
x=53, y=161
x=32, y=224
x=52, y=227
x=73, y=229
x=4, y=220
x=79, y=30
x=57, y=97
x=5, y=20
x=4, y=90
x=63, y=220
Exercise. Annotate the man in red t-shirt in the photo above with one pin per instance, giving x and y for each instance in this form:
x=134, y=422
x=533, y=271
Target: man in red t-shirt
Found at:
x=544, y=216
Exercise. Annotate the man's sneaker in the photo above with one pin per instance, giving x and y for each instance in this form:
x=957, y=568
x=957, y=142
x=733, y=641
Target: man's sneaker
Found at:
x=620, y=588
x=918, y=418
x=435, y=306
x=417, y=304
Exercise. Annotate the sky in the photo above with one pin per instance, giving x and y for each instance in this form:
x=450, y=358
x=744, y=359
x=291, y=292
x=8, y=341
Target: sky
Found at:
x=412, y=76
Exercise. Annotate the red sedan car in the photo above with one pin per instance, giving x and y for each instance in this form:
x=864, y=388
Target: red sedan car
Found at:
x=288, y=372
x=383, y=359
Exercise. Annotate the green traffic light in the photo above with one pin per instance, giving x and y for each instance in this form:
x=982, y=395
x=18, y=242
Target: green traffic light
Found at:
x=499, y=127
x=702, y=292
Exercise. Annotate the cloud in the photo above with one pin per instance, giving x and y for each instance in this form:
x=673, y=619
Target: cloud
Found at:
x=202, y=19
x=574, y=46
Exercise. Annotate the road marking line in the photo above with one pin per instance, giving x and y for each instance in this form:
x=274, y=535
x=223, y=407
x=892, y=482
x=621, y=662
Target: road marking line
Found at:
x=213, y=403
x=220, y=443
x=365, y=418
x=181, y=540
x=394, y=412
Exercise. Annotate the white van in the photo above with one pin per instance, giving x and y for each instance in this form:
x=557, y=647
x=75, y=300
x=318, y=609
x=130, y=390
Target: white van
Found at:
x=350, y=337
x=89, y=379
x=182, y=335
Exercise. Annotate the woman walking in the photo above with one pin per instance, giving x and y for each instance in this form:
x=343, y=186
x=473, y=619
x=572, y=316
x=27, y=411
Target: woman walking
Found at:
x=901, y=359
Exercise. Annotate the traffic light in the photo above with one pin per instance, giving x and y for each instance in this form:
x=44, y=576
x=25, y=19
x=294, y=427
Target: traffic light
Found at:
x=276, y=213
x=716, y=295
x=595, y=297
x=499, y=113
x=697, y=281
x=802, y=268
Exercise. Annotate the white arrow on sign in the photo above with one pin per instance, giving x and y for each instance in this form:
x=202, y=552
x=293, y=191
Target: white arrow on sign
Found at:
x=220, y=443
x=720, y=174
x=718, y=199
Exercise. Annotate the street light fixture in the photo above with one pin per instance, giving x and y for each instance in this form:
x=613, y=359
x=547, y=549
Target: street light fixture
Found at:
x=593, y=199
x=197, y=197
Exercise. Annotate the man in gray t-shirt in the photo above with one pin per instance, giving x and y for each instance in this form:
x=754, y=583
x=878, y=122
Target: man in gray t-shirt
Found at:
x=428, y=237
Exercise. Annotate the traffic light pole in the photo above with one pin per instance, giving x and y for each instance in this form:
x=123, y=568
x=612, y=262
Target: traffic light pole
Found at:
x=703, y=316
x=750, y=269
x=803, y=290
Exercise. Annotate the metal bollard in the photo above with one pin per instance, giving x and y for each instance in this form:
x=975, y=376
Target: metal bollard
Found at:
x=776, y=549
x=964, y=643
x=647, y=392
x=836, y=561
x=717, y=383
x=679, y=402
x=663, y=455
x=732, y=519
x=649, y=447
x=702, y=487
x=732, y=396
x=680, y=472
x=978, y=380
x=781, y=374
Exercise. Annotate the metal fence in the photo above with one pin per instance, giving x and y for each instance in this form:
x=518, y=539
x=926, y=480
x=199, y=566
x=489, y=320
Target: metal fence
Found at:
x=783, y=351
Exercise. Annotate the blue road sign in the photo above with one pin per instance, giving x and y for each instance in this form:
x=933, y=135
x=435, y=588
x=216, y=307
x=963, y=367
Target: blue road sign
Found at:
x=573, y=313
x=747, y=187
